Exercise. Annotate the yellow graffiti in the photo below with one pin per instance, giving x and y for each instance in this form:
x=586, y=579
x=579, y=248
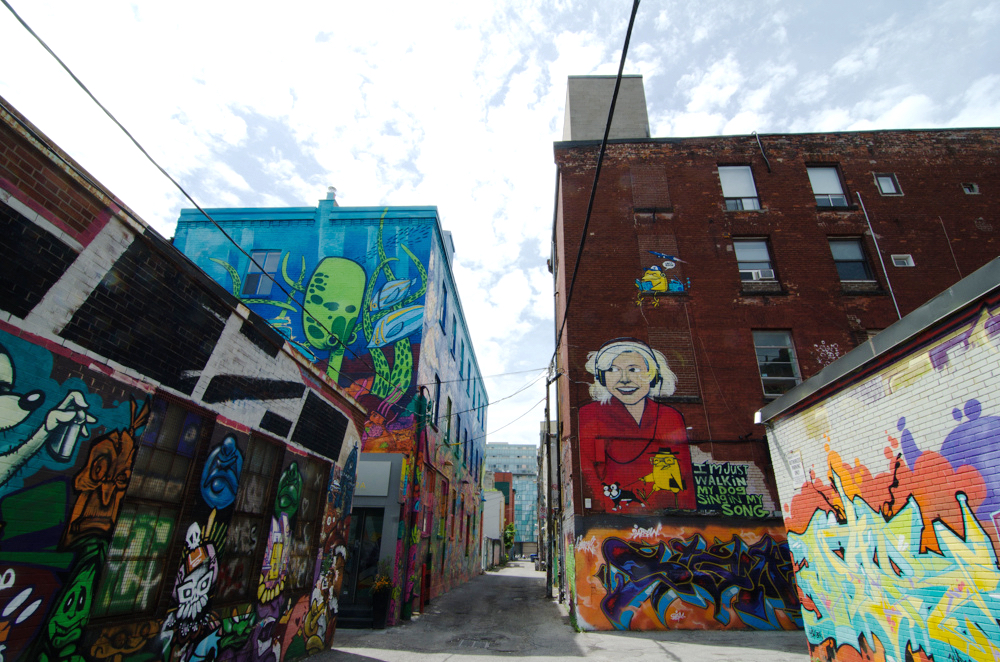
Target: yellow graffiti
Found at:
x=866, y=577
x=666, y=474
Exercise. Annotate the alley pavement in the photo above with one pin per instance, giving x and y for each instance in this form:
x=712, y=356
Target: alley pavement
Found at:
x=506, y=614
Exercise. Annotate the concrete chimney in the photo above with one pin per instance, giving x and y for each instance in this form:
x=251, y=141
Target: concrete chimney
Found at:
x=588, y=99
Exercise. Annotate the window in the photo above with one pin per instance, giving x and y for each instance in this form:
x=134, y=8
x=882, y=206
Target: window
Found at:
x=738, y=188
x=776, y=361
x=849, y=256
x=454, y=334
x=970, y=188
x=240, y=562
x=887, y=184
x=256, y=283
x=902, y=260
x=137, y=555
x=826, y=186
x=444, y=309
x=468, y=382
x=753, y=259
x=307, y=520
x=437, y=399
x=447, y=435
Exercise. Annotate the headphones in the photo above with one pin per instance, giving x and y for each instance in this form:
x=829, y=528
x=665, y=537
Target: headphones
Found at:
x=643, y=350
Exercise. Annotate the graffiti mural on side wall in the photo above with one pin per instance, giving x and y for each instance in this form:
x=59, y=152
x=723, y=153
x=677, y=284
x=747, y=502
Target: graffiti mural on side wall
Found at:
x=633, y=449
x=685, y=577
x=359, y=314
x=896, y=552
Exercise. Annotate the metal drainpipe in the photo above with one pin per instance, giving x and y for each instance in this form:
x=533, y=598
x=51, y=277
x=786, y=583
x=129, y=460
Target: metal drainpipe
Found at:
x=879, y=251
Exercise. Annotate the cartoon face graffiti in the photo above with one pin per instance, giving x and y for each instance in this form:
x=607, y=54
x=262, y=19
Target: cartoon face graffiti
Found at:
x=192, y=592
x=220, y=479
x=101, y=483
x=236, y=631
x=72, y=609
x=628, y=378
x=666, y=474
x=14, y=407
x=289, y=491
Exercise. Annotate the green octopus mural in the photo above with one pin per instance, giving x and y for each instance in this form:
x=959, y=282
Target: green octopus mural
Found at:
x=337, y=293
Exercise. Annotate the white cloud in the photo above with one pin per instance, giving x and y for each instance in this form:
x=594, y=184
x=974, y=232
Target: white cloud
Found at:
x=713, y=88
x=456, y=104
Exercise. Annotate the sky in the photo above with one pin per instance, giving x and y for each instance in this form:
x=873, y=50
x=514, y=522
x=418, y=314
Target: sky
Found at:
x=457, y=104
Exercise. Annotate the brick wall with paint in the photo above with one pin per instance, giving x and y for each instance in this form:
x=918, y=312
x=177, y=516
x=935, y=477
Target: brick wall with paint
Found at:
x=888, y=476
x=175, y=483
x=715, y=273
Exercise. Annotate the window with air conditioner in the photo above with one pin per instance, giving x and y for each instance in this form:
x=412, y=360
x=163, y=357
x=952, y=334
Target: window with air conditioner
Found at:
x=753, y=259
x=826, y=186
x=738, y=188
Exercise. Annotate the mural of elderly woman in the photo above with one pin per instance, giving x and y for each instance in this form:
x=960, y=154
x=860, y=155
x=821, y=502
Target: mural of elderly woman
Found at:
x=632, y=448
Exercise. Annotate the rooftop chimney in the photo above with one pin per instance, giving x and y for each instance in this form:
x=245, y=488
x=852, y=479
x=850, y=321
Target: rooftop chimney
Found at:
x=588, y=99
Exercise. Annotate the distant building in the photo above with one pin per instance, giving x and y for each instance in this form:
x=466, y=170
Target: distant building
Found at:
x=521, y=460
x=368, y=295
x=717, y=273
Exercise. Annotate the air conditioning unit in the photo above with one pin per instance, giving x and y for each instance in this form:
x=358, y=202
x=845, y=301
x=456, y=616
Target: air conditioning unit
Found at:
x=758, y=274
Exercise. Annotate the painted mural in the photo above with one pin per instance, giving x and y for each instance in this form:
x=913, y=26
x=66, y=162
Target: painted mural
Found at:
x=66, y=458
x=93, y=471
x=656, y=278
x=633, y=449
x=674, y=576
x=896, y=552
x=359, y=314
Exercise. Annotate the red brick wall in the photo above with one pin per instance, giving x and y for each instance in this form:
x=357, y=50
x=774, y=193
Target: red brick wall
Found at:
x=930, y=167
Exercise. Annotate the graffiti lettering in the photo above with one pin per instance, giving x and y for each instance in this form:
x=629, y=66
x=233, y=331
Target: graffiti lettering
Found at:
x=752, y=582
x=723, y=486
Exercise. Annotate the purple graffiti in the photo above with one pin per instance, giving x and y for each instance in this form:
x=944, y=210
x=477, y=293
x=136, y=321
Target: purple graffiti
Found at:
x=753, y=580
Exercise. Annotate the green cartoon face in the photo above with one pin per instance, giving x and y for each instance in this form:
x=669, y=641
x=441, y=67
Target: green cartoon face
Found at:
x=73, y=609
x=289, y=491
x=333, y=298
x=236, y=631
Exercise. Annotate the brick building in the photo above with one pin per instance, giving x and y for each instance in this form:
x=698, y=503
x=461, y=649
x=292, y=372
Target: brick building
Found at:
x=716, y=274
x=175, y=481
x=379, y=280
x=887, y=467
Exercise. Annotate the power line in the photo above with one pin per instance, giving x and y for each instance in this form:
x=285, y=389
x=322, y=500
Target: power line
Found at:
x=597, y=174
x=222, y=230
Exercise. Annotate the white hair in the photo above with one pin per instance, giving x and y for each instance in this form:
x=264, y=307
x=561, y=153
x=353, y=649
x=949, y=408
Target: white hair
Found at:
x=601, y=360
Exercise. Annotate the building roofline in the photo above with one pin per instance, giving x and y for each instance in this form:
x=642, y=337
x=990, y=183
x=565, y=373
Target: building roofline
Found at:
x=960, y=295
x=569, y=144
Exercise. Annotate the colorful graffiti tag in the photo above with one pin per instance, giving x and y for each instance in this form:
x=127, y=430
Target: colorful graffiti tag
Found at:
x=632, y=448
x=670, y=576
x=899, y=561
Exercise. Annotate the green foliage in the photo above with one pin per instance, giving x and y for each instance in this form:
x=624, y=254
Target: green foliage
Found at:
x=509, y=532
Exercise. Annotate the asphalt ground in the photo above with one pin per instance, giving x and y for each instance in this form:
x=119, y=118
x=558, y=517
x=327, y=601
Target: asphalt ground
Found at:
x=506, y=614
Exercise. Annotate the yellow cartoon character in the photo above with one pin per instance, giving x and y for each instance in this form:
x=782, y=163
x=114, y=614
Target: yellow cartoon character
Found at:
x=654, y=280
x=666, y=474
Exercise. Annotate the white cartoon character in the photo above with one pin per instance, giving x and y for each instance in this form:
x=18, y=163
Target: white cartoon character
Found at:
x=62, y=427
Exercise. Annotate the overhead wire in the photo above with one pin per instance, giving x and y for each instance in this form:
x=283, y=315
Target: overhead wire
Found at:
x=204, y=213
x=597, y=175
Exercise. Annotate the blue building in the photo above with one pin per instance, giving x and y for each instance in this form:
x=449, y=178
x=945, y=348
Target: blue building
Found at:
x=521, y=460
x=368, y=294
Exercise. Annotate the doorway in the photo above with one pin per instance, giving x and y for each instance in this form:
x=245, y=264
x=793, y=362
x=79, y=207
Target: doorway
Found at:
x=365, y=543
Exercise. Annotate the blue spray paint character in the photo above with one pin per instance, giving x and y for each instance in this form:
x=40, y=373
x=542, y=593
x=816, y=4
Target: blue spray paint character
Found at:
x=220, y=479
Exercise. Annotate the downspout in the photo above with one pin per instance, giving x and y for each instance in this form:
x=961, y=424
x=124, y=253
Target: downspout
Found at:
x=879, y=251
